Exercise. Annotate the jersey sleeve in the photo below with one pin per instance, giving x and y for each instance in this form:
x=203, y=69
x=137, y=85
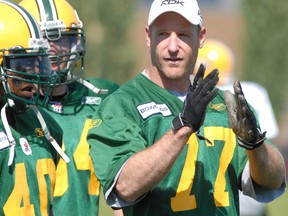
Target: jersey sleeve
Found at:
x=257, y=192
x=110, y=147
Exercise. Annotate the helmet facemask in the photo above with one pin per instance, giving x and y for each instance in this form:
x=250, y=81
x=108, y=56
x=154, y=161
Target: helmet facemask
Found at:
x=59, y=23
x=67, y=52
x=27, y=76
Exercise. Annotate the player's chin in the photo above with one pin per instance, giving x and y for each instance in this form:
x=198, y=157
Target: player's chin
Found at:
x=175, y=73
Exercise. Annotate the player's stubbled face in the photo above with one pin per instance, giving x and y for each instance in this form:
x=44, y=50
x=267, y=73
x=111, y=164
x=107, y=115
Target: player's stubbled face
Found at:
x=174, y=44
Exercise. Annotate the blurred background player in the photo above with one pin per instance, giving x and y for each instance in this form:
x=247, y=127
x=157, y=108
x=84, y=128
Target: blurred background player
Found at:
x=73, y=104
x=216, y=54
x=28, y=150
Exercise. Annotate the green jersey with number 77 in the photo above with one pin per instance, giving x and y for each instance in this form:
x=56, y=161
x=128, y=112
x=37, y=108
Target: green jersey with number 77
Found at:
x=143, y=110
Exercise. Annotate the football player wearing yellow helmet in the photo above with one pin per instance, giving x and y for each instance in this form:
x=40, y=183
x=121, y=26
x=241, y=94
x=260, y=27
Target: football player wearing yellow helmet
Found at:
x=28, y=150
x=25, y=66
x=75, y=100
x=63, y=29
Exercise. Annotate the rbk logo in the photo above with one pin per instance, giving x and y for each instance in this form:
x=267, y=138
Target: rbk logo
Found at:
x=171, y=2
x=218, y=107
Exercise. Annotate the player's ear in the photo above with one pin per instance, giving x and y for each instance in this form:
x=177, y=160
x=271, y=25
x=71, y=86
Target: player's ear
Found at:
x=148, y=36
x=202, y=36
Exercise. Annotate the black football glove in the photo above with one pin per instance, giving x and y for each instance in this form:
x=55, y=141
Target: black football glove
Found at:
x=199, y=95
x=242, y=119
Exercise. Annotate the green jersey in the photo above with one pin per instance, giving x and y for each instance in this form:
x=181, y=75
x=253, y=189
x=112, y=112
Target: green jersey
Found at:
x=77, y=187
x=26, y=186
x=206, y=176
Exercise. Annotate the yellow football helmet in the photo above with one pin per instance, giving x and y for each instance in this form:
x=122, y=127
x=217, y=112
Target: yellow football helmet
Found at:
x=59, y=22
x=216, y=54
x=24, y=56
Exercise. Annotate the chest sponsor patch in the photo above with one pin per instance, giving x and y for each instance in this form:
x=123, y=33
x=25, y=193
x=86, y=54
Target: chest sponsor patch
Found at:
x=152, y=108
x=25, y=146
x=4, y=143
x=91, y=100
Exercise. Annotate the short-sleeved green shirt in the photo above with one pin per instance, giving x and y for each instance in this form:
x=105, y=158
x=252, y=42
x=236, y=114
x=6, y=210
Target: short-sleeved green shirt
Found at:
x=206, y=176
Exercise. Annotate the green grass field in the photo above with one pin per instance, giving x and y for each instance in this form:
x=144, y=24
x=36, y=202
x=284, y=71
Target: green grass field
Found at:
x=104, y=209
x=276, y=208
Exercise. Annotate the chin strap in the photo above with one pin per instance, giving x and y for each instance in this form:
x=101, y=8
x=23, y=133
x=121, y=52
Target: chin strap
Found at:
x=10, y=137
x=48, y=134
x=92, y=87
x=89, y=85
x=10, y=102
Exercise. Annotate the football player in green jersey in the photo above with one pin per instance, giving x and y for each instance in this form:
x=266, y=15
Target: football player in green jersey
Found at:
x=30, y=139
x=73, y=104
x=163, y=146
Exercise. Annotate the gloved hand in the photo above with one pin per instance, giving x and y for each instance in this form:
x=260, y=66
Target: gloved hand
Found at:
x=199, y=95
x=242, y=119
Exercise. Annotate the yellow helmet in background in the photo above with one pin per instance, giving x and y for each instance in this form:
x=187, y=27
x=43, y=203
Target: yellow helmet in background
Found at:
x=58, y=19
x=24, y=55
x=216, y=54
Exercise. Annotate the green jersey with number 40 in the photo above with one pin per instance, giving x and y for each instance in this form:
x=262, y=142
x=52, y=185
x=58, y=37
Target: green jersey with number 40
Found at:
x=27, y=185
x=77, y=187
x=206, y=176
